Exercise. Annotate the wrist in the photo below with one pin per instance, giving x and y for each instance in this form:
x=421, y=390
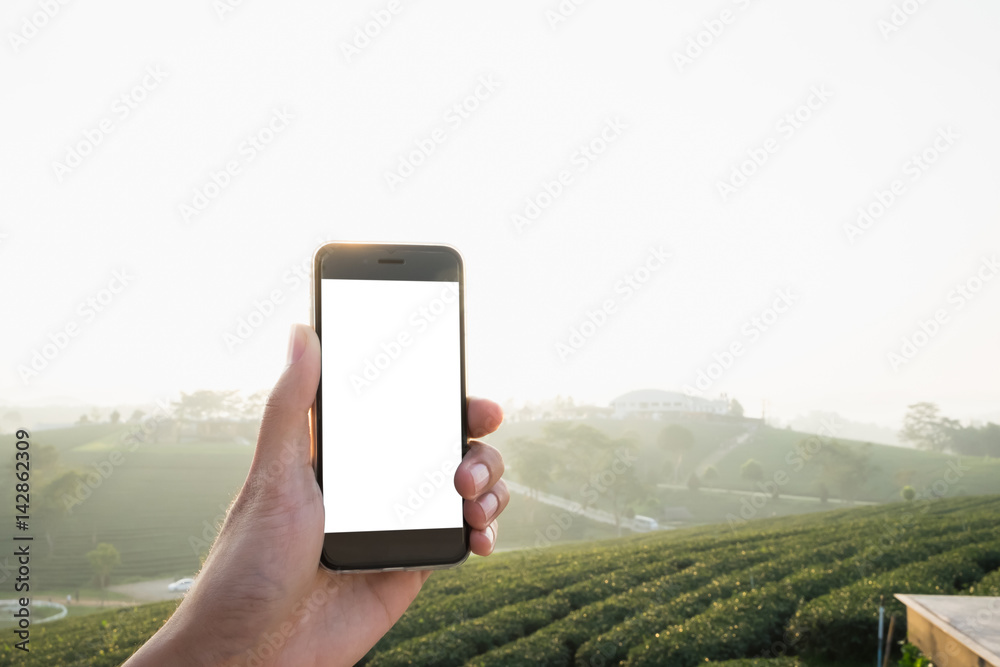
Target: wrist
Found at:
x=185, y=639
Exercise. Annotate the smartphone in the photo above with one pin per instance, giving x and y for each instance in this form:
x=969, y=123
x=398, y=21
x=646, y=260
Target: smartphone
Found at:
x=389, y=422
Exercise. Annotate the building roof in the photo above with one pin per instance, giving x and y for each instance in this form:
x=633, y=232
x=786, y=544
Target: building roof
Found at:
x=968, y=619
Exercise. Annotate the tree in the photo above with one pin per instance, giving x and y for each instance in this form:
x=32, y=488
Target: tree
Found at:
x=252, y=407
x=710, y=474
x=908, y=493
x=600, y=467
x=84, y=419
x=849, y=468
x=973, y=440
x=752, y=471
x=624, y=490
x=11, y=420
x=824, y=493
x=693, y=482
x=531, y=463
x=103, y=560
x=924, y=427
x=675, y=439
x=56, y=499
x=115, y=417
x=207, y=404
x=137, y=416
x=735, y=409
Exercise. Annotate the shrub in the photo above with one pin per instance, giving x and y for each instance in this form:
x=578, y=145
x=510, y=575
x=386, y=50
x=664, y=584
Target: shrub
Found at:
x=839, y=626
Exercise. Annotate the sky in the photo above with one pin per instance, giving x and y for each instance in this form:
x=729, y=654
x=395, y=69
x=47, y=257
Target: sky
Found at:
x=640, y=191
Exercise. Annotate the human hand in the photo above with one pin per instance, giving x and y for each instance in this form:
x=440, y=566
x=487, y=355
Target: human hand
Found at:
x=261, y=597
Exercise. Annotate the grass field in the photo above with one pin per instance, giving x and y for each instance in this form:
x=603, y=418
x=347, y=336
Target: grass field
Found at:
x=149, y=507
x=779, y=451
x=804, y=586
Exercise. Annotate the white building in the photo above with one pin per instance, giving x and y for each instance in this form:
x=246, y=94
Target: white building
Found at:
x=652, y=403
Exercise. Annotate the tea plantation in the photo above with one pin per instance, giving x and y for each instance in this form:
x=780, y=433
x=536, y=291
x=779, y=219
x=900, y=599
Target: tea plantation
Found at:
x=779, y=592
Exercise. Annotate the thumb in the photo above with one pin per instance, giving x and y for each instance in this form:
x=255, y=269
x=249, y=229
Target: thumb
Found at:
x=284, y=442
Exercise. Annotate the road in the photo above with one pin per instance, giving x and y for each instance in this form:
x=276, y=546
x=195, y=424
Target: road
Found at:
x=572, y=506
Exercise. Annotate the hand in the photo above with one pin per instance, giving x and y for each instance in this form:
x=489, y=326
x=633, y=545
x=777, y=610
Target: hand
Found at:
x=262, y=598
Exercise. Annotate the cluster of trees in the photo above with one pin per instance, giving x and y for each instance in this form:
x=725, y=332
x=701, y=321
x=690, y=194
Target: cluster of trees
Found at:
x=924, y=426
x=586, y=464
x=843, y=468
x=198, y=405
x=675, y=441
x=103, y=560
x=52, y=483
x=206, y=404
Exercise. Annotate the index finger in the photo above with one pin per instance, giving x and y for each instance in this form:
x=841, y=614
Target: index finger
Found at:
x=485, y=416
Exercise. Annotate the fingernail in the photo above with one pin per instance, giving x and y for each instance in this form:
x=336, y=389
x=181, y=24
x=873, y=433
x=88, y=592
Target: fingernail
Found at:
x=296, y=344
x=489, y=503
x=480, y=475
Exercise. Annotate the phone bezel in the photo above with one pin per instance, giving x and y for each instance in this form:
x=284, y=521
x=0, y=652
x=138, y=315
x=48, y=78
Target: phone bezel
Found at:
x=379, y=551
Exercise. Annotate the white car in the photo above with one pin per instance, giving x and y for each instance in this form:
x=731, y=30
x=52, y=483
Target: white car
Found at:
x=643, y=524
x=181, y=585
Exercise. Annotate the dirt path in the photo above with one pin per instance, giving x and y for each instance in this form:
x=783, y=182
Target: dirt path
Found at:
x=147, y=591
x=96, y=602
x=718, y=454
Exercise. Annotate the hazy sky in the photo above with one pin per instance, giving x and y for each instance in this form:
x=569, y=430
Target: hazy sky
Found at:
x=287, y=125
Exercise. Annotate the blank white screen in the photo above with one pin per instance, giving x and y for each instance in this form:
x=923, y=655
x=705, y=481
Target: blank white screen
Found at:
x=391, y=404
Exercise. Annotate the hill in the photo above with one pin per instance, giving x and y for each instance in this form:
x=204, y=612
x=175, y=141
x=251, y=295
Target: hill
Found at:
x=159, y=504
x=803, y=465
x=889, y=467
x=801, y=586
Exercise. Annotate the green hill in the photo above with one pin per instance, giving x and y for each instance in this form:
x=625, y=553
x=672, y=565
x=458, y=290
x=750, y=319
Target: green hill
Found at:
x=149, y=504
x=851, y=470
x=890, y=468
x=802, y=586
x=64, y=439
x=159, y=504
